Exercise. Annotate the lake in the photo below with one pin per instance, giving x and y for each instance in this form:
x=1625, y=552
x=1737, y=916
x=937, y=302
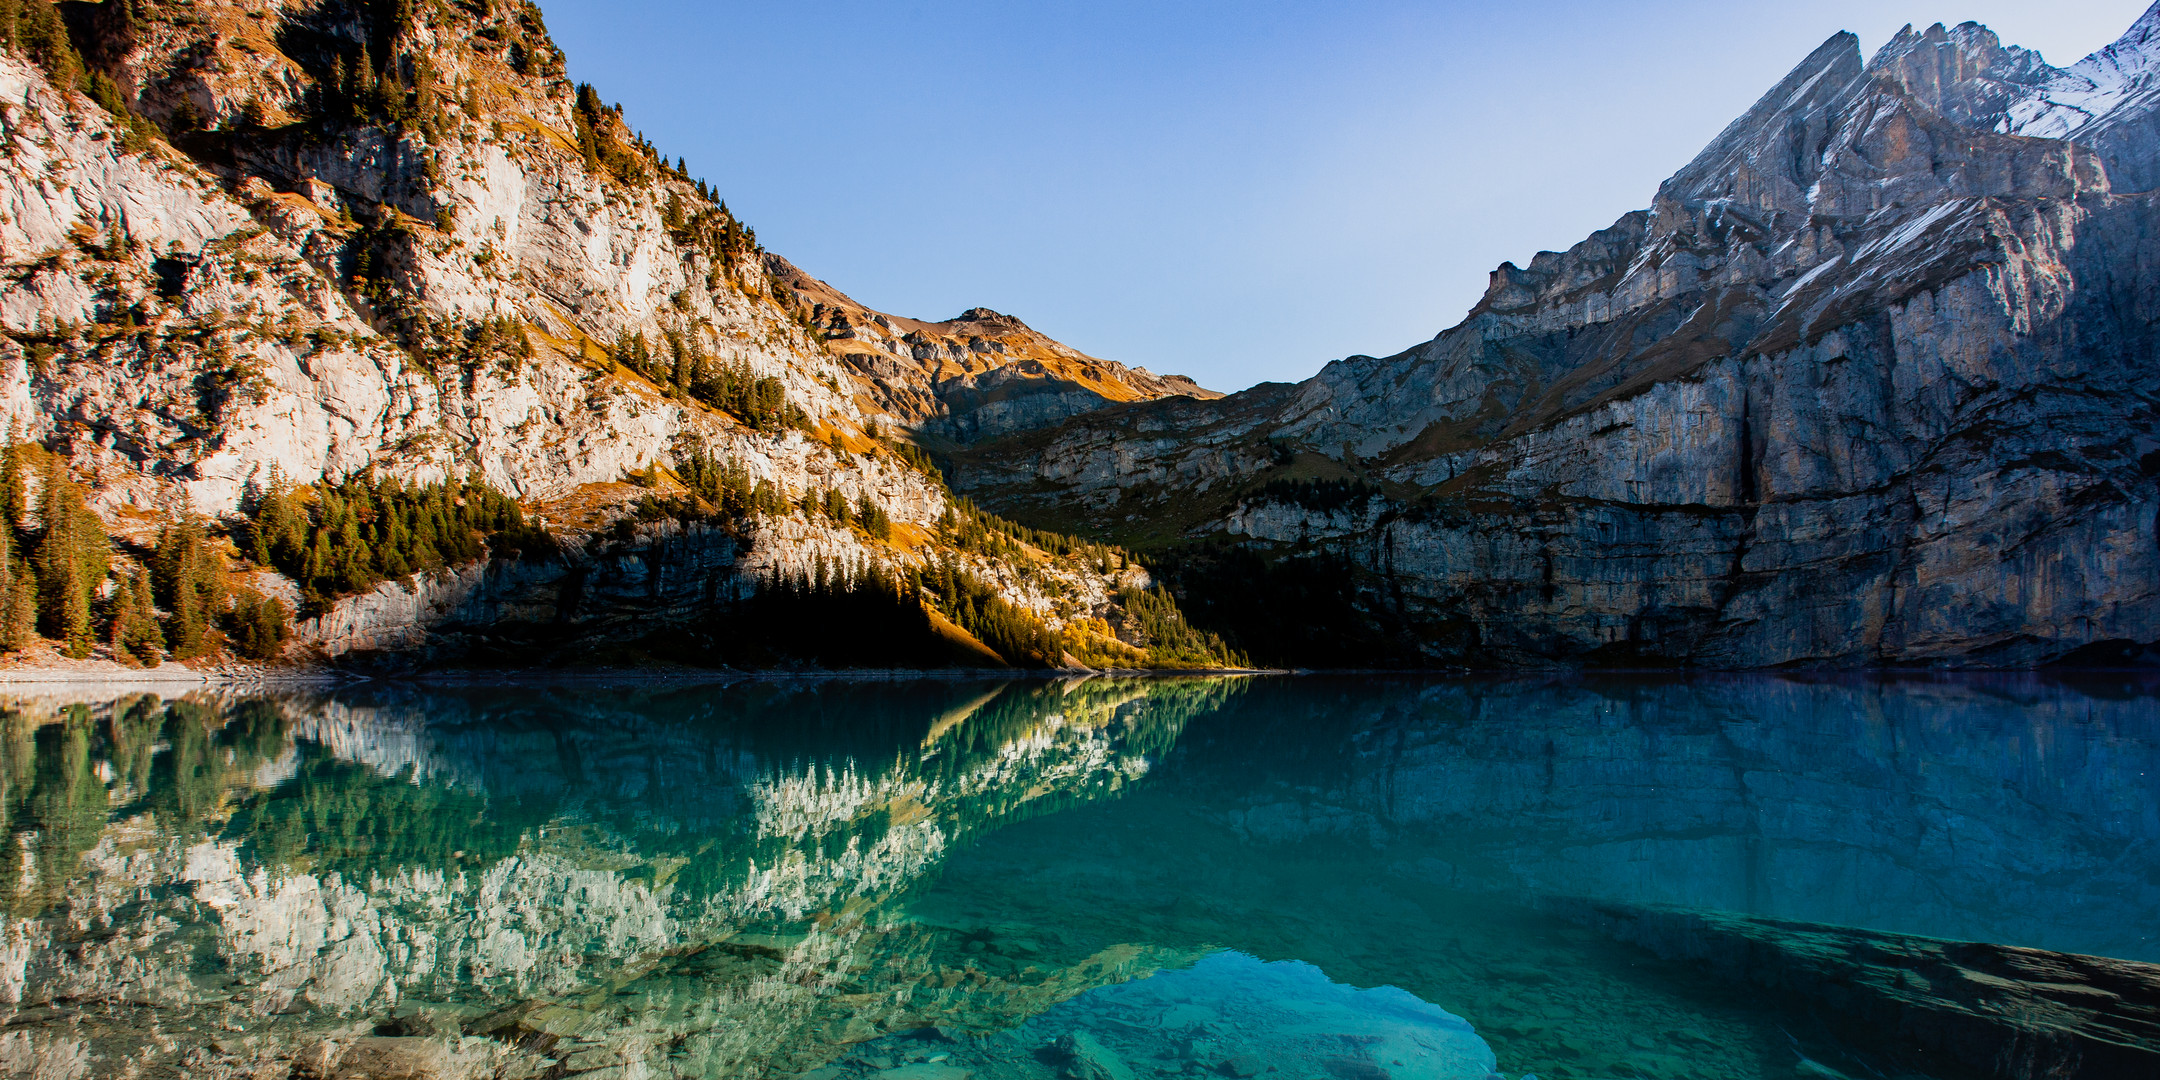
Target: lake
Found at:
x=1312, y=878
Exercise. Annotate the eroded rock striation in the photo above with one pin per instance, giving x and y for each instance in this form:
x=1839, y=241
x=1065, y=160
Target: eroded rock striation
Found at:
x=1870, y=382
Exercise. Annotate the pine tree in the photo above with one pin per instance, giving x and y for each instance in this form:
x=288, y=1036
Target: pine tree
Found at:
x=260, y=624
x=40, y=31
x=135, y=630
x=18, y=602
x=15, y=490
x=72, y=560
x=873, y=518
x=188, y=578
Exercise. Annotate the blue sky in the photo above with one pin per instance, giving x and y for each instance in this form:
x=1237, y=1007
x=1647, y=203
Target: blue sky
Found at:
x=1238, y=191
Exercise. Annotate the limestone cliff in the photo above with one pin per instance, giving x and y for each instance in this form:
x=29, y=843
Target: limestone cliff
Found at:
x=1870, y=382
x=338, y=238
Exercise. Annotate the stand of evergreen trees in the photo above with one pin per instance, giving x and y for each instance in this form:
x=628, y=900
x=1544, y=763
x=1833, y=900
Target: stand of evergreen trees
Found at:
x=713, y=230
x=724, y=487
x=759, y=401
x=971, y=528
x=470, y=345
x=35, y=28
x=870, y=616
x=1172, y=641
x=70, y=556
x=723, y=490
x=1014, y=633
x=60, y=579
x=340, y=539
x=603, y=151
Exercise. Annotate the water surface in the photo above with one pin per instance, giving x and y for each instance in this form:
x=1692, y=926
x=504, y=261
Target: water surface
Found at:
x=1098, y=880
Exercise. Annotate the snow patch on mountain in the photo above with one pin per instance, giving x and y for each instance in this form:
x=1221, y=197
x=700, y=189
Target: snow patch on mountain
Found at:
x=2095, y=90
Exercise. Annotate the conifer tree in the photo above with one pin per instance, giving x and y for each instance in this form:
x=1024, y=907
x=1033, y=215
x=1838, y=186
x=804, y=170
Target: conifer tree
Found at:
x=35, y=26
x=72, y=560
x=873, y=518
x=188, y=578
x=259, y=624
x=18, y=601
x=15, y=489
x=135, y=630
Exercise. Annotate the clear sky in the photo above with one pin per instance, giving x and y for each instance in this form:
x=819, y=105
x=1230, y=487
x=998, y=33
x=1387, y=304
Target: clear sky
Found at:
x=1236, y=190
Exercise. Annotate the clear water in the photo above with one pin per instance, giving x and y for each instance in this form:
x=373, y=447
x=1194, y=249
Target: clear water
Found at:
x=1294, y=879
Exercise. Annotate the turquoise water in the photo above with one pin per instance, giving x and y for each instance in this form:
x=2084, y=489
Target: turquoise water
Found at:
x=1297, y=879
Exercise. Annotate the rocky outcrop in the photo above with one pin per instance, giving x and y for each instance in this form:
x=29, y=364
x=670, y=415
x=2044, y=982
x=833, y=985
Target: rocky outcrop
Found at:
x=1868, y=383
x=978, y=376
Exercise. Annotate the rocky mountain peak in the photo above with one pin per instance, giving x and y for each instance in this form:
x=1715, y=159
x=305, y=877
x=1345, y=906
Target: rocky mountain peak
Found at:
x=2109, y=101
x=1833, y=398
x=1964, y=73
x=1768, y=151
x=985, y=315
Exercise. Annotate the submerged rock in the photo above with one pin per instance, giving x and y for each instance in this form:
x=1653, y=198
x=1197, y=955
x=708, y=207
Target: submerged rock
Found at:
x=1087, y=1059
x=1255, y=1018
x=1973, y=1008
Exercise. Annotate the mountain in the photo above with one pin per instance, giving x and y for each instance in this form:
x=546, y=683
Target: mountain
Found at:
x=353, y=282
x=1871, y=381
x=979, y=375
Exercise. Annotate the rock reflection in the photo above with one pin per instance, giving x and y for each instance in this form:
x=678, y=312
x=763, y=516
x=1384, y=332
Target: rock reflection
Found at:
x=773, y=878
x=685, y=882
x=2016, y=809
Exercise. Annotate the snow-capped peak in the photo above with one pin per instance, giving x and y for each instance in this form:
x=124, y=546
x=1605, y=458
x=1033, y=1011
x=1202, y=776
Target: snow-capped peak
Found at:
x=2087, y=94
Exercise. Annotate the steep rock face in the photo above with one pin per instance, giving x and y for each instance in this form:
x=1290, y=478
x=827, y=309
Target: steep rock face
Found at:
x=318, y=240
x=1870, y=382
x=234, y=283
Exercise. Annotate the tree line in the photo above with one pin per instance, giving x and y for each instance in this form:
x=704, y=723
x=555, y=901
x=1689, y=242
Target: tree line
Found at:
x=723, y=489
x=61, y=579
x=971, y=528
x=341, y=539
x=683, y=367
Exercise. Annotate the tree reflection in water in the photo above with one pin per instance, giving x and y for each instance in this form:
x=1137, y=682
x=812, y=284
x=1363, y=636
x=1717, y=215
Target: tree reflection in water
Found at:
x=769, y=877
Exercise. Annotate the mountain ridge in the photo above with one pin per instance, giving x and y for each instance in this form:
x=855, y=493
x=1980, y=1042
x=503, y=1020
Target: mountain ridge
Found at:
x=1867, y=383
x=1717, y=431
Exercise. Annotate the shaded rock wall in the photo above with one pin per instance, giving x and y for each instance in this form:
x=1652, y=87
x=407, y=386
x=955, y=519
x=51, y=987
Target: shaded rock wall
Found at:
x=1869, y=383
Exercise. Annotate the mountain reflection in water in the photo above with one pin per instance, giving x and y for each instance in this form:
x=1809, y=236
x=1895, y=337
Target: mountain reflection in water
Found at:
x=930, y=879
